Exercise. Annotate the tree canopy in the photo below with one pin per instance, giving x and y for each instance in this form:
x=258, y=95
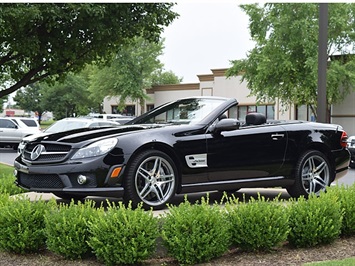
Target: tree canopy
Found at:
x=284, y=62
x=134, y=68
x=46, y=41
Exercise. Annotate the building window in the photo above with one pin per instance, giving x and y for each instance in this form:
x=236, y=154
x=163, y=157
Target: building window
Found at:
x=267, y=110
x=130, y=110
x=304, y=112
x=149, y=107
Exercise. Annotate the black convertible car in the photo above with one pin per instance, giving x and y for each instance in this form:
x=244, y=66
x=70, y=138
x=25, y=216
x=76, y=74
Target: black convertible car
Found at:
x=190, y=145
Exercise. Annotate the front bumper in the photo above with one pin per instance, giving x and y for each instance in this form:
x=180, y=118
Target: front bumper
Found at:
x=64, y=178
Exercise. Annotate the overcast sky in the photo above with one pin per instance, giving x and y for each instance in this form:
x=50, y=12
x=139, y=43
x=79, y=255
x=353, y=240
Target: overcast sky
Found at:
x=207, y=35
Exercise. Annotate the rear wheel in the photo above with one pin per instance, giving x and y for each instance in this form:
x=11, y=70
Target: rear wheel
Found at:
x=312, y=174
x=151, y=179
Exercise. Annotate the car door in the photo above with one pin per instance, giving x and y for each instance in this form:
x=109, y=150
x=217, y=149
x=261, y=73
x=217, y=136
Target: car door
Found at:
x=248, y=152
x=9, y=131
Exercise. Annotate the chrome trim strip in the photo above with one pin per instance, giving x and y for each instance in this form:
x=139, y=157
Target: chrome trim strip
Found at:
x=234, y=181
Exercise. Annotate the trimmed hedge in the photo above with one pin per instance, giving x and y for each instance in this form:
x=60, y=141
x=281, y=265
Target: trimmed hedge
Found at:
x=191, y=233
x=67, y=229
x=22, y=225
x=315, y=221
x=195, y=233
x=346, y=197
x=122, y=235
x=258, y=224
x=8, y=186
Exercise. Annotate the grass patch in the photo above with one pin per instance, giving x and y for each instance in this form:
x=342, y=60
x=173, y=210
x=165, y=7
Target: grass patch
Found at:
x=46, y=124
x=6, y=170
x=344, y=262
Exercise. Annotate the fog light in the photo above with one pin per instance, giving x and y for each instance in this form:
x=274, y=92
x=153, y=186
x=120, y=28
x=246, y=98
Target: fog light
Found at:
x=82, y=179
x=15, y=172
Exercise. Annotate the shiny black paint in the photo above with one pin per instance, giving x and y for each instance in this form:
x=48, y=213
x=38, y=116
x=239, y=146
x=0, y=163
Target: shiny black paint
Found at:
x=251, y=156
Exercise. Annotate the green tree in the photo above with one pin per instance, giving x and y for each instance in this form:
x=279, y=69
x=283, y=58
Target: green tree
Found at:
x=134, y=67
x=30, y=99
x=161, y=77
x=47, y=41
x=284, y=62
x=68, y=98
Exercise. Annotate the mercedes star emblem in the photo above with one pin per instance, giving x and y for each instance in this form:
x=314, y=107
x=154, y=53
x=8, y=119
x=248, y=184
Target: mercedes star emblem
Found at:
x=36, y=152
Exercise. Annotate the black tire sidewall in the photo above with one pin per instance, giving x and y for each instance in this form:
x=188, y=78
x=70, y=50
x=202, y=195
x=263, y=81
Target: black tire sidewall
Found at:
x=297, y=189
x=130, y=194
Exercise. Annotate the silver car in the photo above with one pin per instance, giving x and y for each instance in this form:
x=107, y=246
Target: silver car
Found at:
x=14, y=129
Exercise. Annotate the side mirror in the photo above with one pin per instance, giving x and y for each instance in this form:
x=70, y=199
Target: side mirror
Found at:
x=227, y=124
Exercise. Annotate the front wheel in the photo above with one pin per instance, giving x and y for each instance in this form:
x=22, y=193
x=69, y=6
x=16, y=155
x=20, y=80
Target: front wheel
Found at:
x=151, y=179
x=312, y=174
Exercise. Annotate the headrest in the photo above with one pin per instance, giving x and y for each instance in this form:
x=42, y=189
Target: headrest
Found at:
x=255, y=119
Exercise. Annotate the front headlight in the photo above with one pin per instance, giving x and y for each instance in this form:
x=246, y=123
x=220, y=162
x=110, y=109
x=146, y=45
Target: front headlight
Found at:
x=96, y=149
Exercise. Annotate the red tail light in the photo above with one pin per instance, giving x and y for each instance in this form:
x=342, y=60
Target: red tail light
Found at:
x=343, y=140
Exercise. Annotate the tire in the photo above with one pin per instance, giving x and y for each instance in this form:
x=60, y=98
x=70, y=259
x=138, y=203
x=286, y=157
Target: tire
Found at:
x=151, y=179
x=67, y=196
x=313, y=174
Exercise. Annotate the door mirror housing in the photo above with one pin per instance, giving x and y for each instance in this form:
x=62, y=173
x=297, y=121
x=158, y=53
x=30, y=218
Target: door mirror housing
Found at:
x=228, y=124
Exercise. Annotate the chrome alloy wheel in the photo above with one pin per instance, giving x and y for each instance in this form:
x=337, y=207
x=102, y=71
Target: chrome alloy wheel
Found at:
x=315, y=174
x=155, y=181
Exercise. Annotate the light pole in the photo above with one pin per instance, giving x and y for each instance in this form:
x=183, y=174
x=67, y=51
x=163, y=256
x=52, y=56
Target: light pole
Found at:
x=322, y=63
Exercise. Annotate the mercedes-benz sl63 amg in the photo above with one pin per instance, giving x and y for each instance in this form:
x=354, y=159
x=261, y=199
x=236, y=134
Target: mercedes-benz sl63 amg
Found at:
x=189, y=145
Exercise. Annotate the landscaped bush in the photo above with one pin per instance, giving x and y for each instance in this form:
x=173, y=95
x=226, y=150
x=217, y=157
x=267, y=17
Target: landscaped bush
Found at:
x=22, y=225
x=258, y=224
x=317, y=220
x=7, y=186
x=4, y=198
x=346, y=195
x=195, y=233
x=122, y=235
x=67, y=229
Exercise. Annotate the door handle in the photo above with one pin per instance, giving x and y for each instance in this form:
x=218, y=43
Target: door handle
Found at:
x=277, y=136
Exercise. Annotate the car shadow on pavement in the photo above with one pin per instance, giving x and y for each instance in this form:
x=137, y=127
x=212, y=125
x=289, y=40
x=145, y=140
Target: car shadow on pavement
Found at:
x=213, y=197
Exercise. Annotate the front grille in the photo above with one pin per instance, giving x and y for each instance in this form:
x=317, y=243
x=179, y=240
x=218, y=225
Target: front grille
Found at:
x=51, y=153
x=40, y=181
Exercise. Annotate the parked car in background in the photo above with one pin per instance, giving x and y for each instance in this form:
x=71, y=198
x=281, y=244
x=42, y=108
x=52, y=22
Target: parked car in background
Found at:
x=68, y=124
x=122, y=120
x=351, y=147
x=189, y=145
x=14, y=129
x=30, y=122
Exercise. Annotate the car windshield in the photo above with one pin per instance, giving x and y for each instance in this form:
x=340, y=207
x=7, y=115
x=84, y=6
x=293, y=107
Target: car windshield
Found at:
x=65, y=125
x=187, y=111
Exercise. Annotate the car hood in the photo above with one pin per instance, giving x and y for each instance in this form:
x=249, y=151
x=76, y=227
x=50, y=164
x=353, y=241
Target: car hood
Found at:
x=85, y=134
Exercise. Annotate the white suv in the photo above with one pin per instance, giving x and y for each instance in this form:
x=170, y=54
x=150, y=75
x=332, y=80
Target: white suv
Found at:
x=14, y=129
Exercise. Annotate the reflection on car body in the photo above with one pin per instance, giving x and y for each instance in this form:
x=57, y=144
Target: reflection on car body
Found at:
x=190, y=145
x=67, y=124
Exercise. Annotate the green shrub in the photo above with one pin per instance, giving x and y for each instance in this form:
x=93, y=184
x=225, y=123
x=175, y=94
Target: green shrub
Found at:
x=67, y=229
x=8, y=186
x=317, y=220
x=195, y=233
x=258, y=224
x=122, y=235
x=22, y=225
x=4, y=198
x=346, y=195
